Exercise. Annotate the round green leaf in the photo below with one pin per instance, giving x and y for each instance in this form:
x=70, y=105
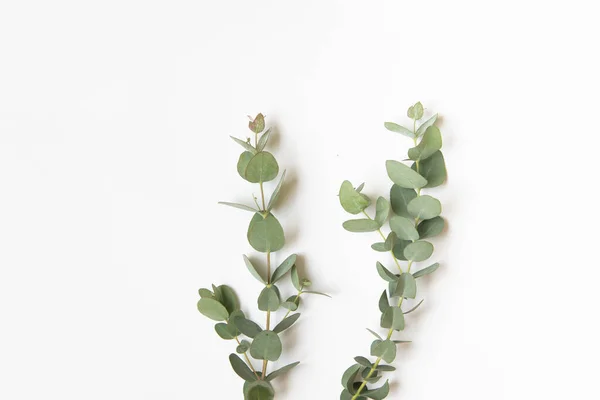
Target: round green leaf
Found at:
x=257, y=125
x=262, y=167
x=424, y=207
x=246, y=326
x=213, y=309
x=402, y=175
x=431, y=227
x=243, y=161
x=416, y=111
x=351, y=200
x=258, y=390
x=265, y=234
x=228, y=298
x=382, y=210
x=418, y=251
x=243, y=347
x=385, y=349
x=433, y=169
x=266, y=346
x=361, y=225
x=269, y=300
x=399, y=247
x=430, y=143
x=406, y=287
x=225, y=331
x=404, y=228
x=399, y=199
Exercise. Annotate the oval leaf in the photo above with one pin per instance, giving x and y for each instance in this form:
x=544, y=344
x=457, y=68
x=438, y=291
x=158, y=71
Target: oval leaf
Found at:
x=243, y=161
x=286, y=323
x=382, y=210
x=426, y=125
x=430, y=143
x=392, y=126
x=433, y=170
x=399, y=199
x=431, y=227
x=269, y=300
x=213, y=309
x=241, y=368
x=266, y=346
x=253, y=270
x=361, y=225
x=426, y=271
x=425, y=207
x=351, y=200
x=384, y=273
x=418, y=251
x=281, y=371
x=285, y=266
x=261, y=168
x=265, y=234
x=404, y=228
x=403, y=176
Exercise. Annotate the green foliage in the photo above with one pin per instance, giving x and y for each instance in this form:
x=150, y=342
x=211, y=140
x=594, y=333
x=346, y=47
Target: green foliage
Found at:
x=411, y=217
x=265, y=235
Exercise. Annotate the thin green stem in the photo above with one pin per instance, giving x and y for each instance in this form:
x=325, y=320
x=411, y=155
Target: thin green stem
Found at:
x=268, y=324
x=295, y=300
x=247, y=359
x=384, y=239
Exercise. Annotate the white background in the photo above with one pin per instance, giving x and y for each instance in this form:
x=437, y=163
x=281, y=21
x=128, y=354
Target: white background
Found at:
x=114, y=150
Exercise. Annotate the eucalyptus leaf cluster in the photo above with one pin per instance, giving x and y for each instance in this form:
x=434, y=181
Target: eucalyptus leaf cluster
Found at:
x=265, y=235
x=412, y=218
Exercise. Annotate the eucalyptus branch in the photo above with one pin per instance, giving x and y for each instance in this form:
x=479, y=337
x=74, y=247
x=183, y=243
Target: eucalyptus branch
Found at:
x=265, y=235
x=412, y=217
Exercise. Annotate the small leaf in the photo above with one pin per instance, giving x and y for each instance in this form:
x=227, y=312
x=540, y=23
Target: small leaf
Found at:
x=351, y=200
x=406, y=287
x=363, y=361
x=253, y=270
x=386, y=349
x=374, y=334
x=384, y=273
x=433, y=170
x=283, y=268
x=228, y=298
x=380, y=393
x=382, y=210
x=418, y=251
x=243, y=347
x=266, y=346
x=403, y=176
x=399, y=199
x=414, y=308
x=385, y=368
x=404, y=228
x=225, y=331
x=430, y=143
x=361, y=225
x=257, y=125
x=269, y=300
x=281, y=371
x=399, y=247
x=426, y=271
x=390, y=242
x=247, y=327
x=262, y=142
x=415, y=112
x=213, y=309
x=265, y=234
x=349, y=377
x=296, y=278
x=391, y=126
x=319, y=293
x=384, y=302
x=426, y=125
x=431, y=227
x=360, y=187
x=240, y=206
x=243, y=161
x=275, y=194
x=425, y=207
x=379, y=246
x=286, y=323
x=241, y=368
x=206, y=293
x=261, y=168
x=247, y=146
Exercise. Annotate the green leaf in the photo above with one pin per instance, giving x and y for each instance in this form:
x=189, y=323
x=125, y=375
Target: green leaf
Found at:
x=426, y=271
x=384, y=273
x=385, y=368
x=266, y=346
x=349, y=377
x=424, y=207
x=379, y=246
x=386, y=349
x=374, y=334
x=225, y=331
x=430, y=143
x=363, y=361
x=351, y=200
x=246, y=145
x=247, y=327
x=431, y=227
x=206, y=293
x=241, y=368
x=384, y=303
x=240, y=206
x=296, y=278
x=414, y=308
x=243, y=161
x=391, y=126
x=433, y=170
x=404, y=228
x=212, y=309
x=262, y=168
x=380, y=393
x=258, y=390
x=286, y=323
x=275, y=194
x=406, y=287
x=265, y=234
x=390, y=241
x=243, y=347
x=399, y=247
x=253, y=270
x=382, y=210
x=393, y=318
x=257, y=125
x=426, y=125
x=228, y=298
x=319, y=293
x=415, y=112
x=262, y=142
x=361, y=225
x=418, y=251
x=281, y=371
x=399, y=199
x=269, y=300
x=283, y=269
x=231, y=321
x=402, y=175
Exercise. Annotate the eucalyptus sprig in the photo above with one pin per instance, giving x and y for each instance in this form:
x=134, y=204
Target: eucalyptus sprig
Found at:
x=412, y=217
x=265, y=235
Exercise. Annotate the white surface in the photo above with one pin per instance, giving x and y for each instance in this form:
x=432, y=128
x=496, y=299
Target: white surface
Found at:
x=114, y=150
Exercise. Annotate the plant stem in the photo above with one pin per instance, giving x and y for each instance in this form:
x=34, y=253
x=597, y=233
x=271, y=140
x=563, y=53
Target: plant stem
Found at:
x=268, y=325
x=247, y=359
x=383, y=237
